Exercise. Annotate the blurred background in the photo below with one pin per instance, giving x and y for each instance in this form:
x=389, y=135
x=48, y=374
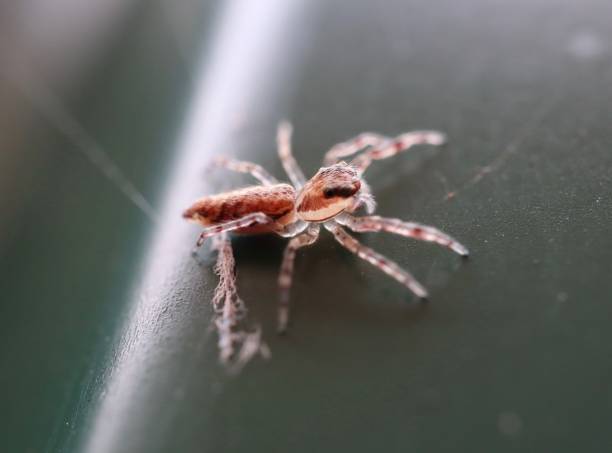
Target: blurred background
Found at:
x=109, y=113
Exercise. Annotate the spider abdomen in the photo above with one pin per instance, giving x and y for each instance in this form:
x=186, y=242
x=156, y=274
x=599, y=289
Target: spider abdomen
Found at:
x=275, y=201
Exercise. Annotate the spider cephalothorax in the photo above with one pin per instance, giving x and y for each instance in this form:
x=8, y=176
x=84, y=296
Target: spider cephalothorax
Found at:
x=330, y=191
x=329, y=198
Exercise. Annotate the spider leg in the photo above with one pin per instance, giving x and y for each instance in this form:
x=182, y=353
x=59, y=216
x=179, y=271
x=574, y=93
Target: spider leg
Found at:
x=247, y=220
x=257, y=171
x=384, y=264
x=286, y=272
x=407, y=229
x=225, y=269
x=399, y=144
x=283, y=140
x=353, y=146
x=226, y=303
x=236, y=346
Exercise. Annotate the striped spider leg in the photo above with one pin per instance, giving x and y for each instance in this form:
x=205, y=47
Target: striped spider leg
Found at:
x=256, y=171
x=285, y=276
x=398, y=145
x=293, y=170
x=230, y=310
x=353, y=146
x=397, y=226
x=389, y=267
x=249, y=220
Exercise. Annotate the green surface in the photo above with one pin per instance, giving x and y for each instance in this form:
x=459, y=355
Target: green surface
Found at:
x=105, y=342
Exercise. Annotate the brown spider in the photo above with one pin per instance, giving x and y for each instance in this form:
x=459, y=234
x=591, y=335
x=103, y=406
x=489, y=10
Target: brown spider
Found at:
x=329, y=198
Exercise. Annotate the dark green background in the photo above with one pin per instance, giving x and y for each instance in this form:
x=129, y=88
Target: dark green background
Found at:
x=514, y=352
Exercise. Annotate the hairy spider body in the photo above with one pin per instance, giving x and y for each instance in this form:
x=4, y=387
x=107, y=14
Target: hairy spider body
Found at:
x=275, y=201
x=329, y=199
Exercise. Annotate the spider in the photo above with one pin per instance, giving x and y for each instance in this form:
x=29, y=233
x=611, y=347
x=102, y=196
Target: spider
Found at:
x=328, y=199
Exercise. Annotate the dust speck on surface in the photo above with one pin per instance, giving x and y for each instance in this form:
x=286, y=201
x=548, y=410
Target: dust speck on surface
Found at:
x=509, y=424
x=585, y=45
x=178, y=393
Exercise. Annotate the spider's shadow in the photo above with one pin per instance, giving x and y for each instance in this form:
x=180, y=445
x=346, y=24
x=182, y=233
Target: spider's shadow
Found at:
x=328, y=288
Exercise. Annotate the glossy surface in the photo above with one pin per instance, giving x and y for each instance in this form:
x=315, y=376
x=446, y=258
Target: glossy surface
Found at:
x=104, y=323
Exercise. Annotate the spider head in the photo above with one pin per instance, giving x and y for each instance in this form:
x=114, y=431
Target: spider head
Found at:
x=332, y=190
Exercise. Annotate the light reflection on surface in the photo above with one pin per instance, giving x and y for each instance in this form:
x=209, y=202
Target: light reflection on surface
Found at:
x=241, y=71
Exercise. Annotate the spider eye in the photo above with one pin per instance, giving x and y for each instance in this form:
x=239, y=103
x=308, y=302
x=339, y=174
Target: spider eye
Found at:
x=340, y=191
x=328, y=192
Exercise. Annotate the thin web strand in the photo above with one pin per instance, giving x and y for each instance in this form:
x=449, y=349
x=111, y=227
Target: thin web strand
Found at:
x=50, y=106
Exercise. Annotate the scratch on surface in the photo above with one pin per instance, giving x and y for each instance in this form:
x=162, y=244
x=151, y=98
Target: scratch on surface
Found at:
x=510, y=149
x=52, y=108
x=444, y=182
